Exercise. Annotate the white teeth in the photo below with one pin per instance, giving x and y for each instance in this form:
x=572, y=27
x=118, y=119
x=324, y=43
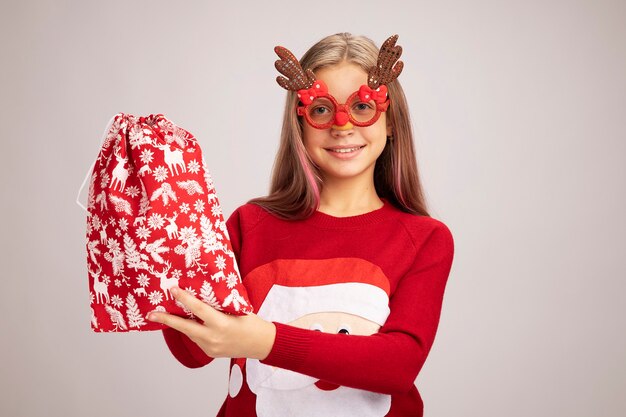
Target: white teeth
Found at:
x=345, y=150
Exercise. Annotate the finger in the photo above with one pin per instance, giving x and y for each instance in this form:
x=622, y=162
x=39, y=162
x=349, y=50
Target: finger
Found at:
x=201, y=309
x=189, y=327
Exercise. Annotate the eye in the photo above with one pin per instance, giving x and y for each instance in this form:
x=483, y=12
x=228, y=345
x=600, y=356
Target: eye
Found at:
x=320, y=110
x=362, y=106
x=362, y=111
x=317, y=327
x=344, y=329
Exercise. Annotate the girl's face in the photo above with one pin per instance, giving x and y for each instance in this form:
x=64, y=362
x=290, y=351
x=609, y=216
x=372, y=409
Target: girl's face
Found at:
x=361, y=145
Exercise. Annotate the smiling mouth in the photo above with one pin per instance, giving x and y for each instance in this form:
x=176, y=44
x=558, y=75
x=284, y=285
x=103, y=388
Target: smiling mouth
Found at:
x=345, y=150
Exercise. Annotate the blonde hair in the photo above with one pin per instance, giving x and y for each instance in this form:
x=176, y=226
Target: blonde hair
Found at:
x=296, y=182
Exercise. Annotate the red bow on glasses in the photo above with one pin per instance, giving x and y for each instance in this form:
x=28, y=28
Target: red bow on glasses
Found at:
x=307, y=96
x=379, y=95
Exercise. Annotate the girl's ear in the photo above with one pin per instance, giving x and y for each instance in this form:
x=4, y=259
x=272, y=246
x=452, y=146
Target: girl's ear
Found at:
x=389, y=127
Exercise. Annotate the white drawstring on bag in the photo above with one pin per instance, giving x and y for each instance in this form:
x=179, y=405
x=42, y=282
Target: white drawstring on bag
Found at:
x=106, y=131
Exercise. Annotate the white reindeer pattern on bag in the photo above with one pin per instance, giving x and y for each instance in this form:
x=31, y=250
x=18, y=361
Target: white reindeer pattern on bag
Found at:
x=154, y=221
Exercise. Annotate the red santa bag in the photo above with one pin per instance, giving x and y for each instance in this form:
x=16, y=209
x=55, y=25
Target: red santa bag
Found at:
x=154, y=221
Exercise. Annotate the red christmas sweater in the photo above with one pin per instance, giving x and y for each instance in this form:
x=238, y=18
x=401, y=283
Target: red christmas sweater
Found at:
x=356, y=303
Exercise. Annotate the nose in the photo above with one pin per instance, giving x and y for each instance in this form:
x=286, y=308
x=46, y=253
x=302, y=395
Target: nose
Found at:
x=347, y=126
x=342, y=121
x=341, y=118
x=340, y=131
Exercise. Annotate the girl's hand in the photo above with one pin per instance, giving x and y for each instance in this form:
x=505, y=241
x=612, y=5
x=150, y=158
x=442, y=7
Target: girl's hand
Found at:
x=222, y=335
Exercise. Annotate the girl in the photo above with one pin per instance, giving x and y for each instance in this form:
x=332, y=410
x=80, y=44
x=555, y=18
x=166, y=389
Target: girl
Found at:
x=345, y=268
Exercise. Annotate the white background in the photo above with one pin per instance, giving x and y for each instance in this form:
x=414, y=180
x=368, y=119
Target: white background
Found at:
x=519, y=112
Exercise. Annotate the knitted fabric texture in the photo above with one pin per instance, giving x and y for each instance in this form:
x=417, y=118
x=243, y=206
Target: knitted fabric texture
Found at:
x=356, y=303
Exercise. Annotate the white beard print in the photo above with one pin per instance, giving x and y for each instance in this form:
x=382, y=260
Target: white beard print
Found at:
x=356, y=304
x=284, y=393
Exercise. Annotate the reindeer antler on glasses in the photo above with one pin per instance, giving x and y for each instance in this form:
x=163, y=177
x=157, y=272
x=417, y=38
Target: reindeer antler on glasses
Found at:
x=385, y=71
x=297, y=78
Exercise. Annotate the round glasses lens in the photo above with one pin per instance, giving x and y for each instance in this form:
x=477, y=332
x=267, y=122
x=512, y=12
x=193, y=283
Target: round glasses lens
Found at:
x=321, y=110
x=362, y=111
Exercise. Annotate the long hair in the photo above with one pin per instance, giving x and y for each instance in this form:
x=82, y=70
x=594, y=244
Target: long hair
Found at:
x=296, y=182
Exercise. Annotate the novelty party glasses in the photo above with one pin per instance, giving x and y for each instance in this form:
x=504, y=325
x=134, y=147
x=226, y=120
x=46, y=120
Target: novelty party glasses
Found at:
x=321, y=110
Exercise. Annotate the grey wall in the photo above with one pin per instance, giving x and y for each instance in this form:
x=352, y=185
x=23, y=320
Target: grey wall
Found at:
x=518, y=110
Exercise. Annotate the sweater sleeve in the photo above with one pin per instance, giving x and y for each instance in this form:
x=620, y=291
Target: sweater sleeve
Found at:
x=388, y=361
x=185, y=350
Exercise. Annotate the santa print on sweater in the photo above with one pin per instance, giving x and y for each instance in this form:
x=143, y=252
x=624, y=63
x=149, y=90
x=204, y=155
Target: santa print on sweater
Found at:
x=356, y=302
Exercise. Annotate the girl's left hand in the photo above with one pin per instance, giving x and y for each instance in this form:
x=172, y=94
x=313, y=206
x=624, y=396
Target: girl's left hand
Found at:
x=221, y=335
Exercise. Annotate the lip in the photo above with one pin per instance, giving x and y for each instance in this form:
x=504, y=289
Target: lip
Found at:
x=344, y=147
x=345, y=155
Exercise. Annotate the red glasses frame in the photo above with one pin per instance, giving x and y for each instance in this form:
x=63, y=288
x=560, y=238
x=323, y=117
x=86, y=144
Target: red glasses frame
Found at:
x=342, y=114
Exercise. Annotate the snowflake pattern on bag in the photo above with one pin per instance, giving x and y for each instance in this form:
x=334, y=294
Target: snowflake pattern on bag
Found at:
x=154, y=221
